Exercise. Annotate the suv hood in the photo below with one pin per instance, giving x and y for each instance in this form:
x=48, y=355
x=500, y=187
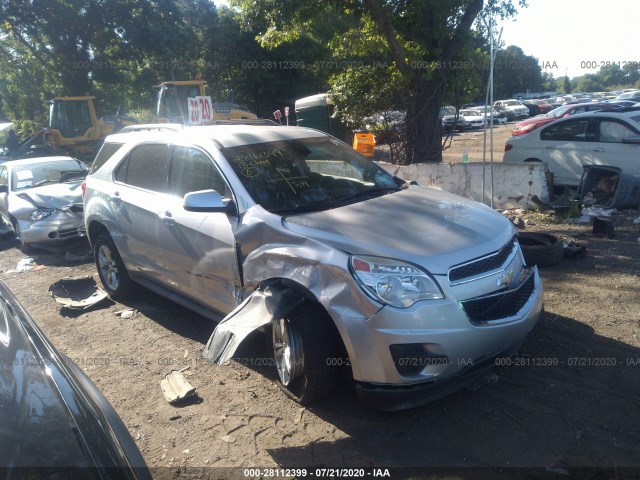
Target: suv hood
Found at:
x=421, y=225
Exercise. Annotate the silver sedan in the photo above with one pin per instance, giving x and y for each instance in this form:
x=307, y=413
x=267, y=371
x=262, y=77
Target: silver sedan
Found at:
x=41, y=198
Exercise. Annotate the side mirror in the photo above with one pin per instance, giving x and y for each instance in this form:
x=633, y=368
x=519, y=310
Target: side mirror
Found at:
x=208, y=201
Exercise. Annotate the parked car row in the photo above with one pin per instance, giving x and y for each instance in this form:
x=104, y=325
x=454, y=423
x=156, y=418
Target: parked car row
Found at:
x=526, y=126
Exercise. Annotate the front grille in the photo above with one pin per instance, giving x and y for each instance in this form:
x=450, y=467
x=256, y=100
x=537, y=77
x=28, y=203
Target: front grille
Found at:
x=482, y=265
x=501, y=305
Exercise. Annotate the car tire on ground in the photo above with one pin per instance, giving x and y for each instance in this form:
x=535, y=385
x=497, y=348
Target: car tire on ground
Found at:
x=113, y=275
x=541, y=249
x=305, y=352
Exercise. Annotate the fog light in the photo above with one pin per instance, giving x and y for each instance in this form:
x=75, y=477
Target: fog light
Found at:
x=53, y=235
x=412, y=358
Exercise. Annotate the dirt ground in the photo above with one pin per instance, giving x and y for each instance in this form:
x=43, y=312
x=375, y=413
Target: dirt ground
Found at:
x=565, y=407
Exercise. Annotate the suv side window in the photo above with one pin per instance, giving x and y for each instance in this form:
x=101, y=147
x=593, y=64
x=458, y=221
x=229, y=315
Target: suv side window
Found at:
x=105, y=153
x=570, y=131
x=192, y=170
x=147, y=166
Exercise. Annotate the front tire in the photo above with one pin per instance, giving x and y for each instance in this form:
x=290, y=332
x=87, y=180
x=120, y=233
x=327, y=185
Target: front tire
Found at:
x=17, y=233
x=305, y=350
x=113, y=274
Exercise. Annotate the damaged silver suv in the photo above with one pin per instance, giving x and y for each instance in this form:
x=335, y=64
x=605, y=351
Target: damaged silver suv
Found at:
x=288, y=230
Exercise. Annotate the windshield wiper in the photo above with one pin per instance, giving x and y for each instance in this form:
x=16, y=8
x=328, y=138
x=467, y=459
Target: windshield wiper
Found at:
x=315, y=207
x=368, y=193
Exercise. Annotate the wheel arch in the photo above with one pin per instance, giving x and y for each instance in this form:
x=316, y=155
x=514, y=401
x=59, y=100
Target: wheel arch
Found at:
x=301, y=294
x=272, y=299
x=94, y=228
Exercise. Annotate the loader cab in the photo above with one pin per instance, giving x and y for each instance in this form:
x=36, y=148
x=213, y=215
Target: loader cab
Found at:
x=72, y=116
x=172, y=104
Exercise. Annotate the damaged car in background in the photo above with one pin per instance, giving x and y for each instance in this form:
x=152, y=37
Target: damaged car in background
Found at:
x=41, y=198
x=288, y=230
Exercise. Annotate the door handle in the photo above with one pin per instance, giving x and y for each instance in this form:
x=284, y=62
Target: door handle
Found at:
x=167, y=218
x=551, y=147
x=599, y=150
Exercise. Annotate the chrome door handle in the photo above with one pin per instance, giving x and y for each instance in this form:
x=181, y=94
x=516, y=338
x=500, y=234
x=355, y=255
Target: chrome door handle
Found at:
x=167, y=218
x=599, y=150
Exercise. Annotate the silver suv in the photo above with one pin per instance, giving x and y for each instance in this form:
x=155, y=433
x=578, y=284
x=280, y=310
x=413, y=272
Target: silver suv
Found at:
x=415, y=291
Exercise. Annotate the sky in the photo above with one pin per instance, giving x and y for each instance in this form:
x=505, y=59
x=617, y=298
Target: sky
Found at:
x=575, y=37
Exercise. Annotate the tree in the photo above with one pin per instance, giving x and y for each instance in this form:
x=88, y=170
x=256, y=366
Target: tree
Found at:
x=516, y=72
x=423, y=40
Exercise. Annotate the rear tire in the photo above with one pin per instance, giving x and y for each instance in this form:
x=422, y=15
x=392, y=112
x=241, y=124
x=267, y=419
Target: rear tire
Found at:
x=111, y=269
x=306, y=354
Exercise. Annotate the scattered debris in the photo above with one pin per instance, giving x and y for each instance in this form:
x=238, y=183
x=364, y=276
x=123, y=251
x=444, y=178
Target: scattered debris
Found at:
x=572, y=248
x=609, y=187
x=77, y=293
x=127, y=313
x=24, y=265
x=176, y=388
x=598, y=211
x=298, y=417
x=540, y=248
x=603, y=227
x=228, y=438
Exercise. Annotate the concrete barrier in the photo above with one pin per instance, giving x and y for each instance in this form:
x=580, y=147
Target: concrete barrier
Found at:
x=513, y=183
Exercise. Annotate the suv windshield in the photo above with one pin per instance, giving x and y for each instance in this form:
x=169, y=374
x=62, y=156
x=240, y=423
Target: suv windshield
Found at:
x=296, y=176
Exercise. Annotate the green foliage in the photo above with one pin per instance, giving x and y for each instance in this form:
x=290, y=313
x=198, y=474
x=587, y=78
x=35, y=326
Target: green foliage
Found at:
x=515, y=72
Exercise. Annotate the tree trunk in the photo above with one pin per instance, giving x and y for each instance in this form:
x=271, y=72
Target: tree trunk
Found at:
x=424, y=126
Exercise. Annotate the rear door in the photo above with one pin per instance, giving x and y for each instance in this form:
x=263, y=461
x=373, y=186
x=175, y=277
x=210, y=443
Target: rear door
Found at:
x=567, y=146
x=138, y=191
x=198, y=249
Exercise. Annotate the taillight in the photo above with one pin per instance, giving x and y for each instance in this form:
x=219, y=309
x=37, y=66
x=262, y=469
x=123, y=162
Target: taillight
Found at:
x=507, y=147
x=83, y=186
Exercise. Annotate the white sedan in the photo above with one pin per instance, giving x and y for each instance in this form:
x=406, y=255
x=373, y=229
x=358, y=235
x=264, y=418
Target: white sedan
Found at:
x=609, y=138
x=472, y=118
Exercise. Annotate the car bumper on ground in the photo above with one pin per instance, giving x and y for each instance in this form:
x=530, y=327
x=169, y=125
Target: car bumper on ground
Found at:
x=57, y=228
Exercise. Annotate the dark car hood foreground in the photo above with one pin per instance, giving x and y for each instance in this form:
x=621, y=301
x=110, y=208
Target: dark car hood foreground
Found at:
x=421, y=225
x=54, y=423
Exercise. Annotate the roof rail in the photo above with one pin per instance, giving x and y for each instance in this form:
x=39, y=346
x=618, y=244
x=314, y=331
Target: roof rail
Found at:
x=243, y=121
x=621, y=109
x=151, y=127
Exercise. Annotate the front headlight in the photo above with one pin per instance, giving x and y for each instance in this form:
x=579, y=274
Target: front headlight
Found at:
x=41, y=213
x=394, y=282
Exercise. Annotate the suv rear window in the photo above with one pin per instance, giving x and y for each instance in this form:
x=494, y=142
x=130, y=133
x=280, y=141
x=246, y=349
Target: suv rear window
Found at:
x=105, y=153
